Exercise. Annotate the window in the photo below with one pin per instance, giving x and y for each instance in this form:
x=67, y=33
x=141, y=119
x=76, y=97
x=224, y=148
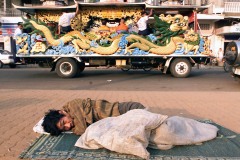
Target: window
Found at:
x=204, y=26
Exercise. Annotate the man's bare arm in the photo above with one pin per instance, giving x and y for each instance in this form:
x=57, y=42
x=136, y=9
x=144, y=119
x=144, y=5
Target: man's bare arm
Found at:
x=59, y=29
x=151, y=12
x=77, y=8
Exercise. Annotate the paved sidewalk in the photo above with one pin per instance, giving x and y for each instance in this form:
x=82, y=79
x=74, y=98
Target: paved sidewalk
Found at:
x=22, y=109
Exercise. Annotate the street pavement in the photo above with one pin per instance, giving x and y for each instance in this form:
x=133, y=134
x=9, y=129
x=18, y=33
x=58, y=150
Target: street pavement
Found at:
x=22, y=109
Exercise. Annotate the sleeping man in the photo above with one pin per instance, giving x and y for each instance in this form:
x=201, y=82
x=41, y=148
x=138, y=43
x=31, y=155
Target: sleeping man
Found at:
x=78, y=114
x=125, y=127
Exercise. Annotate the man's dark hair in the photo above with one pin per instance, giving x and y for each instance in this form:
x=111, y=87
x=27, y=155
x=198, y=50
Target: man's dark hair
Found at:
x=19, y=23
x=104, y=22
x=123, y=19
x=50, y=121
x=143, y=12
x=28, y=16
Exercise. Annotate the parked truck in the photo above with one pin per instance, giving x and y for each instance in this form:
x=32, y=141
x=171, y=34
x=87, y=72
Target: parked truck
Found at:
x=172, y=47
x=232, y=57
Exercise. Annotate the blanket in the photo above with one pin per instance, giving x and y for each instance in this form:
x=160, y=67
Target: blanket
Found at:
x=132, y=132
x=181, y=131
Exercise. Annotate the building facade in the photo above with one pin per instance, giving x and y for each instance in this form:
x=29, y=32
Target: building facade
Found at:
x=220, y=22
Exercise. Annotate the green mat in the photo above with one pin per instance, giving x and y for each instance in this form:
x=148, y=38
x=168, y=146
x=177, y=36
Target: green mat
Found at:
x=225, y=146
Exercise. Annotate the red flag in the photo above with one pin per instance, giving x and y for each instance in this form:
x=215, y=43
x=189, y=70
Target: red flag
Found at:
x=191, y=17
x=195, y=21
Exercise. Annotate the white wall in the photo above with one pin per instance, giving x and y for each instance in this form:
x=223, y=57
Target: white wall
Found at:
x=10, y=19
x=7, y=43
x=218, y=3
x=216, y=43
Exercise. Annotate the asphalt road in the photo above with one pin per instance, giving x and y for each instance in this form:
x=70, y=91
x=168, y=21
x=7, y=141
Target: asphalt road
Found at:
x=203, y=79
x=27, y=92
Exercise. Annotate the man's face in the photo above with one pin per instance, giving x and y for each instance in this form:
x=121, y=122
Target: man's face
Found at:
x=21, y=26
x=65, y=123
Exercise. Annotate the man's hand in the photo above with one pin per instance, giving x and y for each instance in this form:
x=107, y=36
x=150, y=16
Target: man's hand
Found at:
x=77, y=8
x=151, y=12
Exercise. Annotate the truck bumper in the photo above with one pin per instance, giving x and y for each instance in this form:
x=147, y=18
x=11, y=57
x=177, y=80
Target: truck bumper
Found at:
x=236, y=71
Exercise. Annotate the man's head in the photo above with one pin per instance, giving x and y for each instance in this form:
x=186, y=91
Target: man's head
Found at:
x=28, y=16
x=20, y=25
x=122, y=21
x=143, y=13
x=57, y=121
x=104, y=22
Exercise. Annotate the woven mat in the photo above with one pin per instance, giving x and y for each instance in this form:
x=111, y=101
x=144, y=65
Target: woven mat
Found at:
x=225, y=146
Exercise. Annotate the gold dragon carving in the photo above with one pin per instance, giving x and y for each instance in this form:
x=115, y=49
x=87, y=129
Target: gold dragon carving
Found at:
x=82, y=42
x=79, y=22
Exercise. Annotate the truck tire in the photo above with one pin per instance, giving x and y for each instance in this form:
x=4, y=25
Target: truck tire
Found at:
x=12, y=65
x=1, y=64
x=67, y=68
x=81, y=67
x=180, y=68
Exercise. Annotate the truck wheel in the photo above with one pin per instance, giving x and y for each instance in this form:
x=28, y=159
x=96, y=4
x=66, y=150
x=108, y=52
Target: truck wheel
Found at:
x=180, y=68
x=67, y=68
x=12, y=65
x=81, y=67
x=1, y=64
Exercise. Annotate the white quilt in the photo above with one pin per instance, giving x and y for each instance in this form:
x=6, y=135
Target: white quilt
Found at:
x=131, y=133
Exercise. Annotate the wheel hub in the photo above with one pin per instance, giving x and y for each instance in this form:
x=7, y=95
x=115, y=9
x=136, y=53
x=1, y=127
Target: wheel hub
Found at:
x=181, y=68
x=66, y=68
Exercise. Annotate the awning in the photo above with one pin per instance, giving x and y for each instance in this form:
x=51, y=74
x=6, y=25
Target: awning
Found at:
x=228, y=30
x=34, y=9
x=214, y=17
x=168, y=9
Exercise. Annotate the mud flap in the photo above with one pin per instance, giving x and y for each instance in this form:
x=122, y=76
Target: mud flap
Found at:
x=167, y=65
x=53, y=67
